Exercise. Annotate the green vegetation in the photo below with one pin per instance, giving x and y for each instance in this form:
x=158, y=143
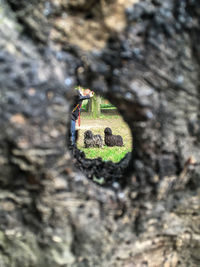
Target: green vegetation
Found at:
x=114, y=154
x=102, y=106
x=109, y=106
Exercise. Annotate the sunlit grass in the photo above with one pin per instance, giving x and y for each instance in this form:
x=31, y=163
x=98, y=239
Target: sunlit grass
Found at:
x=114, y=154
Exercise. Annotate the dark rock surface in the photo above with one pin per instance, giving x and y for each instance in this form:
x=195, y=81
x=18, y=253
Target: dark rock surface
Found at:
x=148, y=211
x=106, y=173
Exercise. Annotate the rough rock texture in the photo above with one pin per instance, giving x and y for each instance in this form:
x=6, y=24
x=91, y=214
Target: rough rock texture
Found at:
x=51, y=214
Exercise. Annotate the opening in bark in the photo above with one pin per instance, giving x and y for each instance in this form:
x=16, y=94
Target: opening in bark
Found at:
x=94, y=142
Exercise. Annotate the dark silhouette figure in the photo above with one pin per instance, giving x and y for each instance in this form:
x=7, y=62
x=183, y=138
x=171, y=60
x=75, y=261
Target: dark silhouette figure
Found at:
x=112, y=140
x=91, y=140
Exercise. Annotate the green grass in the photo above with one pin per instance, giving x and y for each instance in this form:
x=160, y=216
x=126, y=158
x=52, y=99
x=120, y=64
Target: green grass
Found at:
x=108, y=106
x=102, y=106
x=114, y=154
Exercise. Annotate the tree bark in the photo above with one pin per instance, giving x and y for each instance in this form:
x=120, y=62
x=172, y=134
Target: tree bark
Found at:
x=95, y=109
x=148, y=214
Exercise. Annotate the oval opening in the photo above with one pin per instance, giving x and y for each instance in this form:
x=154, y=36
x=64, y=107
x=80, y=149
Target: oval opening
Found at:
x=102, y=155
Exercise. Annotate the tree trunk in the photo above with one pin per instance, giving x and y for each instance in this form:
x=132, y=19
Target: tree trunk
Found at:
x=95, y=108
x=147, y=213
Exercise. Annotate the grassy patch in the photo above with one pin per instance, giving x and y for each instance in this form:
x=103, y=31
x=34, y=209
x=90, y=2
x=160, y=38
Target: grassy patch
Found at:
x=114, y=154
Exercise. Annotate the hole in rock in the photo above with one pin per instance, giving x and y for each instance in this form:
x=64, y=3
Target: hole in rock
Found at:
x=102, y=143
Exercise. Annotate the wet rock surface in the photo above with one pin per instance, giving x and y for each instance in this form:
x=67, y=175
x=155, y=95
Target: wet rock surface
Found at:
x=51, y=214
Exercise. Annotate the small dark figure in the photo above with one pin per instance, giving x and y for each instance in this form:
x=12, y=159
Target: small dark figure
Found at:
x=91, y=140
x=112, y=140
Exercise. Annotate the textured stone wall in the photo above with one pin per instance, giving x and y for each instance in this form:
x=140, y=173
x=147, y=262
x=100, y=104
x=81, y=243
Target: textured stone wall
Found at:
x=51, y=213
